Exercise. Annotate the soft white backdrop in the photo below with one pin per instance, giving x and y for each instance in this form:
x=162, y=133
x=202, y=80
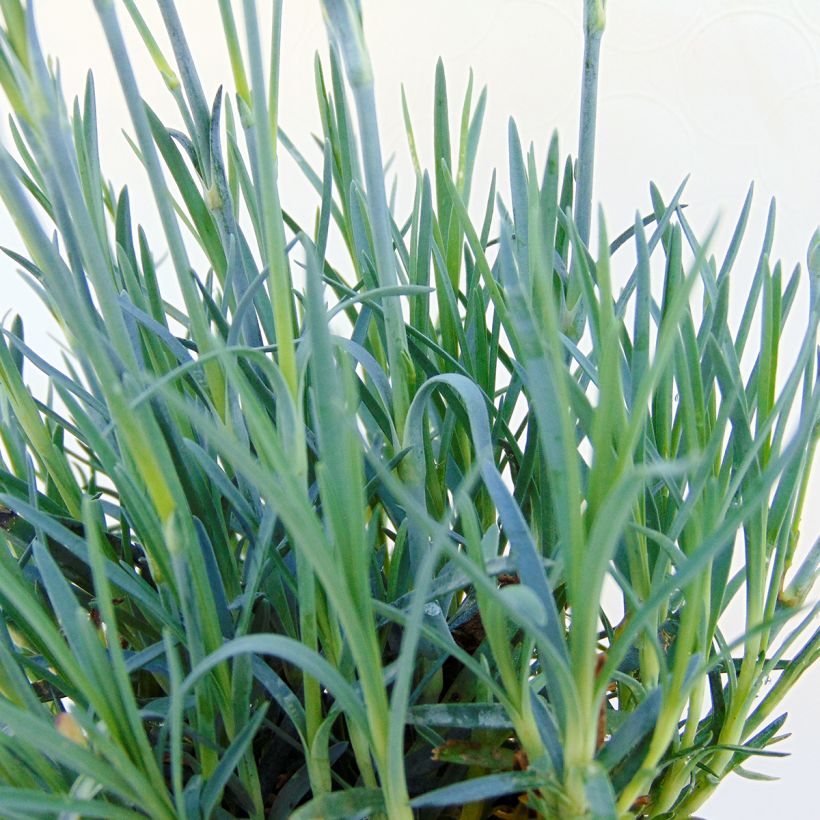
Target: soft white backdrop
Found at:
x=728, y=90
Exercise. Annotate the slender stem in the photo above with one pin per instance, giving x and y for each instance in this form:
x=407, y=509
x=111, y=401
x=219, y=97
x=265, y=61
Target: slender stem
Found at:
x=676, y=694
x=273, y=232
x=383, y=240
x=594, y=22
x=188, y=74
x=318, y=773
x=273, y=77
x=176, y=247
x=807, y=656
x=240, y=76
x=345, y=30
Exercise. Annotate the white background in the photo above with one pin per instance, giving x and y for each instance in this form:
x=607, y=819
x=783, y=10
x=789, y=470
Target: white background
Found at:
x=728, y=90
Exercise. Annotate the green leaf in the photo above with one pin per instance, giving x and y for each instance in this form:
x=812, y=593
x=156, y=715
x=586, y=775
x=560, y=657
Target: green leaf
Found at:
x=212, y=789
x=350, y=804
x=478, y=789
x=599, y=794
x=460, y=716
x=30, y=802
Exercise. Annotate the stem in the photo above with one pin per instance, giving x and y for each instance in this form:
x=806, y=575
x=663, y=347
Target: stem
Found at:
x=806, y=657
x=319, y=776
x=190, y=79
x=273, y=232
x=273, y=79
x=397, y=353
x=200, y=332
x=346, y=33
x=240, y=77
x=676, y=778
x=594, y=23
x=677, y=692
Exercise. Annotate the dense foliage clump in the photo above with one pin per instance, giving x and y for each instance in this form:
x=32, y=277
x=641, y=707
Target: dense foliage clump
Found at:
x=262, y=557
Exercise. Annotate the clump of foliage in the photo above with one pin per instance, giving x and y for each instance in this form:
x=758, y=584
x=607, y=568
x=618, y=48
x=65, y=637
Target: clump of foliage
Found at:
x=265, y=558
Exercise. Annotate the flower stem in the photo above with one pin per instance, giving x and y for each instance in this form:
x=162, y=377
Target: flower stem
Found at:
x=345, y=28
x=594, y=23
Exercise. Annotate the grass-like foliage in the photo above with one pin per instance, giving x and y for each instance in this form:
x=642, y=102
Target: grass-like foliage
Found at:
x=340, y=550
